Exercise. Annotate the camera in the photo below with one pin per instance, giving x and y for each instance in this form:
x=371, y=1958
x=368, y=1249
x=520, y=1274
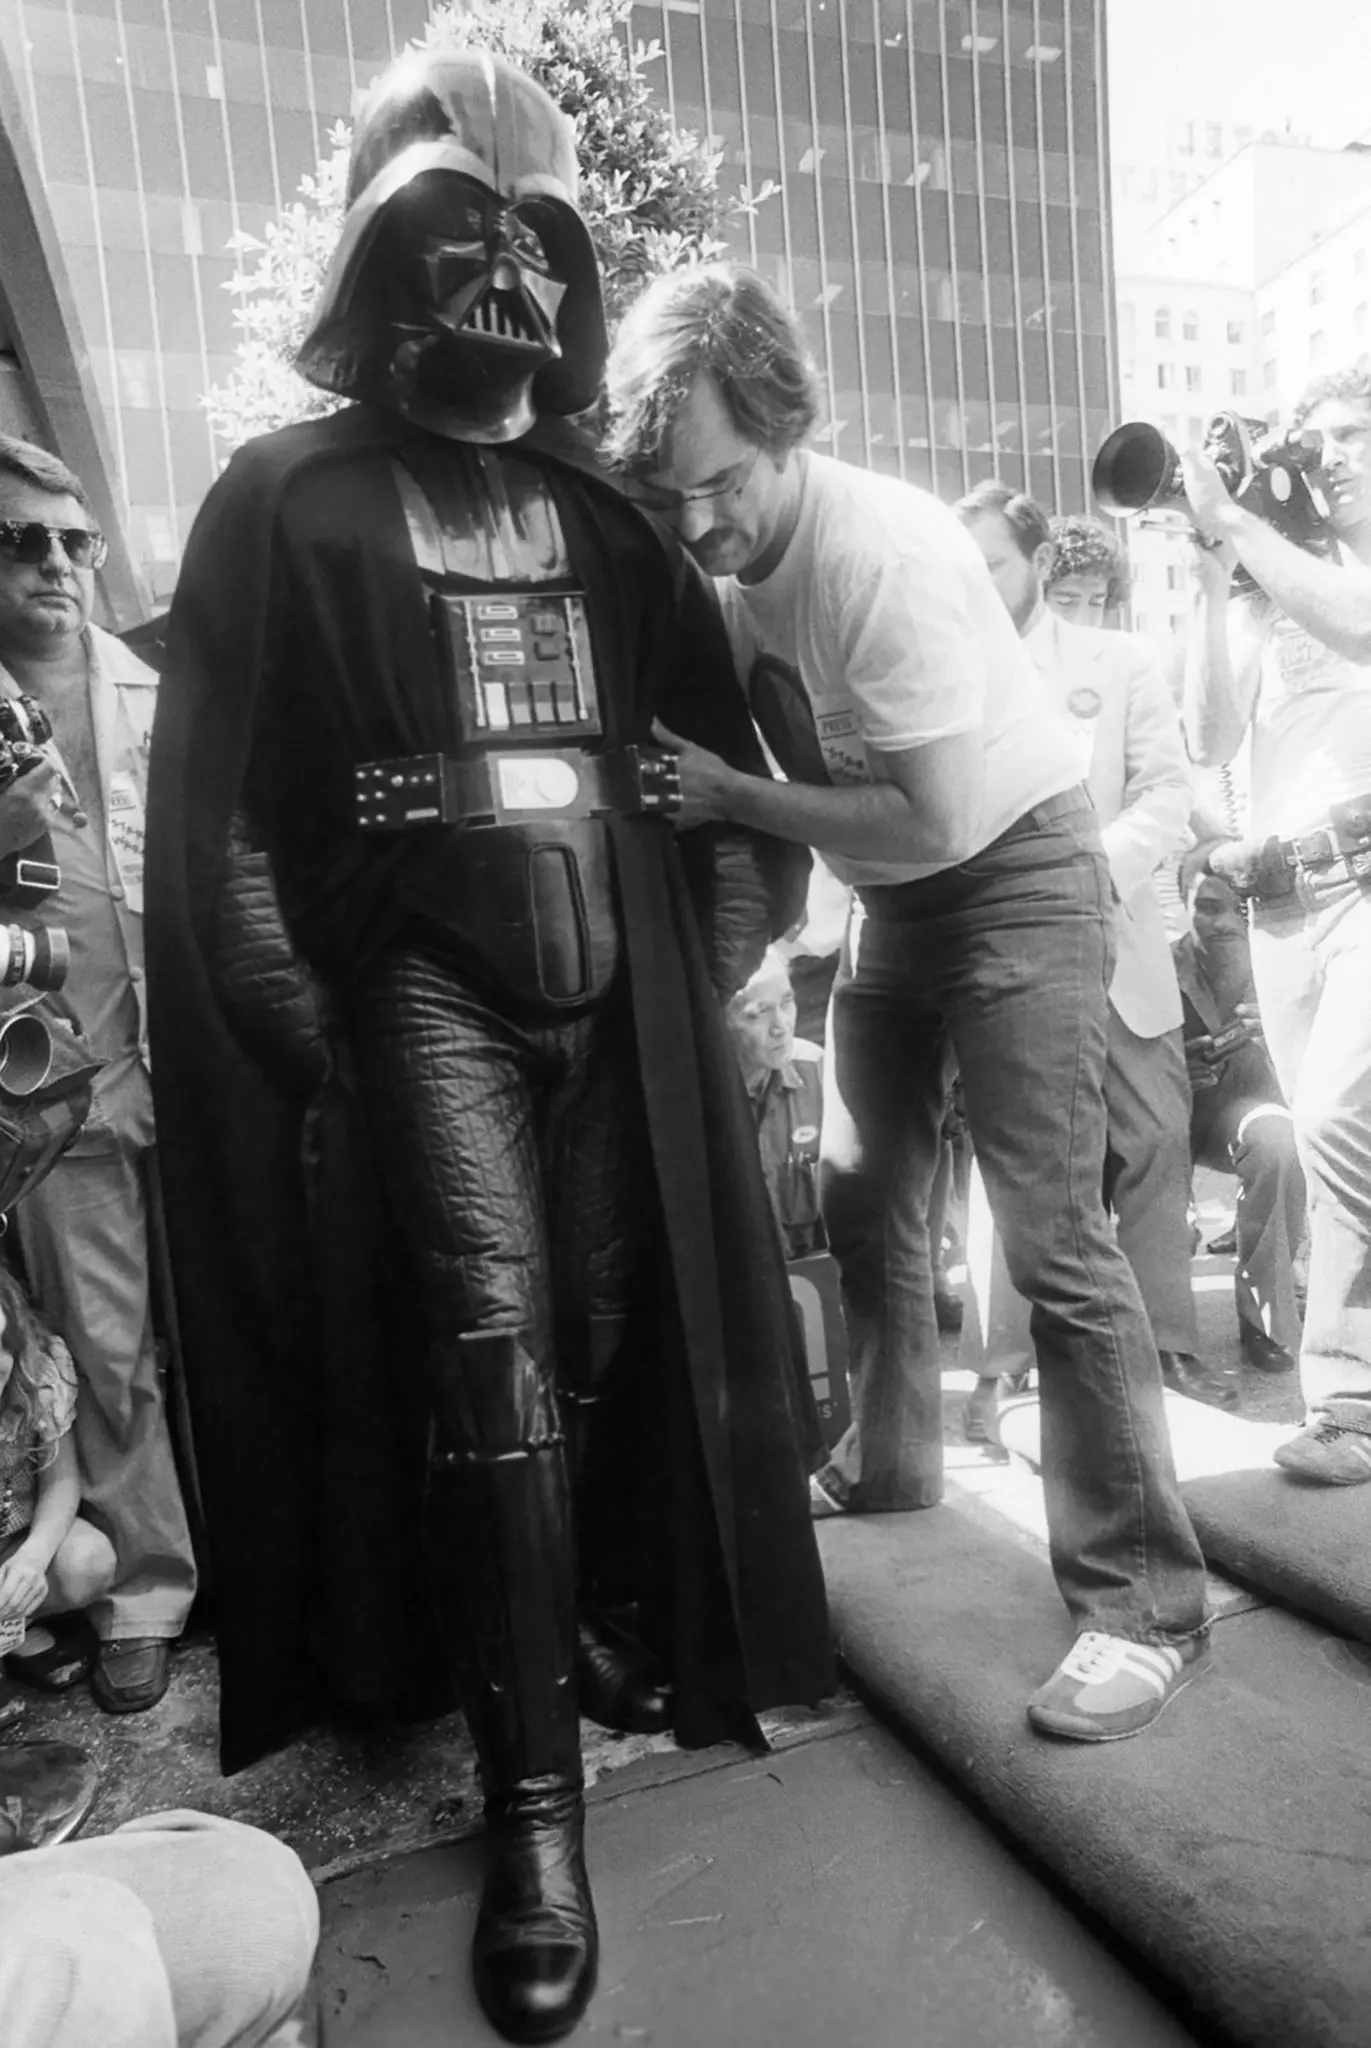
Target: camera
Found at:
x=1276, y=474
x=37, y=955
x=25, y=730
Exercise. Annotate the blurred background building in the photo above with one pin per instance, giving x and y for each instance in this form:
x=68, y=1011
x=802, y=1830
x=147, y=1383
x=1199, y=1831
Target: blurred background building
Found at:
x=941, y=220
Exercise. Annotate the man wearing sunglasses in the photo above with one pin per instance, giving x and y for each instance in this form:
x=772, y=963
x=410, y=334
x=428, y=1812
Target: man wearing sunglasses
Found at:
x=84, y=1232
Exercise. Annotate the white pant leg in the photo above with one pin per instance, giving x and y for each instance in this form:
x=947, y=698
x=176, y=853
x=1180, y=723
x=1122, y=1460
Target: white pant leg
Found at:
x=1312, y=965
x=234, y=1918
x=79, y=1960
x=84, y=1236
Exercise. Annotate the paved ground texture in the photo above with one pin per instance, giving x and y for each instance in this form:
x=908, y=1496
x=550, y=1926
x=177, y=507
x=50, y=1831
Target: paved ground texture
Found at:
x=837, y=1893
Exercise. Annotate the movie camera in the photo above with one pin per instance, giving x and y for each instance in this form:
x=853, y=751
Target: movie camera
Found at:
x=1275, y=473
x=36, y=955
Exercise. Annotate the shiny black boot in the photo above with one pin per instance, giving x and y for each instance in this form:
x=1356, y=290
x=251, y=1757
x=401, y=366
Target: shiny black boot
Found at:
x=504, y=1552
x=619, y=1683
x=535, y=1950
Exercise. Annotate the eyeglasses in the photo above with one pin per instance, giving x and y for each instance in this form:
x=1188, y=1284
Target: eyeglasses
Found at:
x=672, y=503
x=85, y=547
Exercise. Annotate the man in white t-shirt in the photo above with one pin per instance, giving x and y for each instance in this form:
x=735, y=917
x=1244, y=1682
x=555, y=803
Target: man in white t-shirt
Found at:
x=927, y=767
x=1290, y=664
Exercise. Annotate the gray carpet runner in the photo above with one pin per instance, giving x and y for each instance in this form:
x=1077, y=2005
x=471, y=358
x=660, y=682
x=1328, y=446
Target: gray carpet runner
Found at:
x=1229, y=1845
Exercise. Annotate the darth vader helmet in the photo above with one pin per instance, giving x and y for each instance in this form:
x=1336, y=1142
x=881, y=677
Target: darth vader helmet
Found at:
x=464, y=291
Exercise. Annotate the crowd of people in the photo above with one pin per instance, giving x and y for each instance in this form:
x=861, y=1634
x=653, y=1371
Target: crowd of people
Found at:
x=502, y=802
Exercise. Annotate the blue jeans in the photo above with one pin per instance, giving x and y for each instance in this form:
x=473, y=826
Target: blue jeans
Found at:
x=1001, y=966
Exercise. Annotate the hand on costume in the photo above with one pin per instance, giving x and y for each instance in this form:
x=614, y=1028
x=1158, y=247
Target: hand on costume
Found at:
x=23, y=1586
x=1211, y=507
x=705, y=780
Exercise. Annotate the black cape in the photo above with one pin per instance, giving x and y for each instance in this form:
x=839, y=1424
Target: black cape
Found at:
x=303, y=1374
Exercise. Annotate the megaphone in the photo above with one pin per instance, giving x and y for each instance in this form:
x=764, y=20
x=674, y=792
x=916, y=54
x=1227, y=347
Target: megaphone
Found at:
x=1276, y=475
x=1137, y=470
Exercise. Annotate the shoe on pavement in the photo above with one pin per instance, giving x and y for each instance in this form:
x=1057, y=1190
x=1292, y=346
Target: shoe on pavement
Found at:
x=822, y=1503
x=948, y=1309
x=46, y=1791
x=1261, y=1352
x=1107, y=1687
x=1327, y=1453
x=131, y=1675
x=1216, y=1385
x=1225, y=1245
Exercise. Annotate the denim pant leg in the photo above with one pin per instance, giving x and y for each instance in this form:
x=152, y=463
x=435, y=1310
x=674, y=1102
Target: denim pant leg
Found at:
x=1025, y=997
x=885, y=1089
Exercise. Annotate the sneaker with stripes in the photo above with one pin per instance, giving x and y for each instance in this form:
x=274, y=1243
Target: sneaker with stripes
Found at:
x=1107, y=1687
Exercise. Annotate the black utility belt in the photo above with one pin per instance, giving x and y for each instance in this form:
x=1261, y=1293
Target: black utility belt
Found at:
x=1337, y=851
x=515, y=786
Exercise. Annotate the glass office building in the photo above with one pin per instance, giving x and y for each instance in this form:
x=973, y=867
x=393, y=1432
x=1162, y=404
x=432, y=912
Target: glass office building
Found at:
x=942, y=220
x=941, y=216
x=162, y=128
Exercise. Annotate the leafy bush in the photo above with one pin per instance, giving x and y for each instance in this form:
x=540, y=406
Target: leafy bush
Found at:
x=649, y=192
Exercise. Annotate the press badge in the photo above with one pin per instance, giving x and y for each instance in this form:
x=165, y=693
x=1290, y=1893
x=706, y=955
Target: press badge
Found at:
x=843, y=748
x=127, y=832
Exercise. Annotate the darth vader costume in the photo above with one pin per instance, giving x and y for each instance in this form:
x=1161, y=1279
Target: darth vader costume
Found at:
x=460, y=1175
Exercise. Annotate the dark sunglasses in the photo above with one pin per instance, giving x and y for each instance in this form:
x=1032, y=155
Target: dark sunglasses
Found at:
x=85, y=547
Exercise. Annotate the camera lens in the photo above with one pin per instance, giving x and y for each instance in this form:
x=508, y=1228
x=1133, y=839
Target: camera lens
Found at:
x=16, y=954
x=51, y=957
x=39, y=957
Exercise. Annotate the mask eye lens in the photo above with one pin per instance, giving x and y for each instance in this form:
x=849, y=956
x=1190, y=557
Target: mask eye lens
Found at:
x=527, y=244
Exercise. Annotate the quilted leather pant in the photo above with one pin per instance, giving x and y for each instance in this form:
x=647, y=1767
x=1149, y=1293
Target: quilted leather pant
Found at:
x=515, y=1164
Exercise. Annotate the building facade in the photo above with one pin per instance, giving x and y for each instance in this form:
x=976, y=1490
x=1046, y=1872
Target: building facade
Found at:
x=939, y=214
x=939, y=217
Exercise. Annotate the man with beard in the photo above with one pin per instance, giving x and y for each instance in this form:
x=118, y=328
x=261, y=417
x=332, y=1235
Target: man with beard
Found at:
x=1288, y=661
x=928, y=768
x=420, y=919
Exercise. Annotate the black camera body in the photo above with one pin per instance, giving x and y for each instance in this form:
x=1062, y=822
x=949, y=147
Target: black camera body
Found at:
x=25, y=730
x=1274, y=473
x=34, y=954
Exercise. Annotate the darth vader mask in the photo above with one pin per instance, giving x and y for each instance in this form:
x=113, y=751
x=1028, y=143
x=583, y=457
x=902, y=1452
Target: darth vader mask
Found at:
x=464, y=291
x=477, y=287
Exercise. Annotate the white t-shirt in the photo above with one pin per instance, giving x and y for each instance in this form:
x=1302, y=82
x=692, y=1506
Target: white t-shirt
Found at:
x=1311, y=732
x=883, y=610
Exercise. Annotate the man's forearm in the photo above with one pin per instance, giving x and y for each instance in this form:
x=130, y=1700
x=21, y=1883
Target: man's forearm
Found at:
x=1214, y=712
x=861, y=821
x=1331, y=600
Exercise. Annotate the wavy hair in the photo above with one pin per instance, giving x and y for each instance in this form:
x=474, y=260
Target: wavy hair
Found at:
x=719, y=320
x=1084, y=547
x=1352, y=382
x=33, y=465
x=1023, y=515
